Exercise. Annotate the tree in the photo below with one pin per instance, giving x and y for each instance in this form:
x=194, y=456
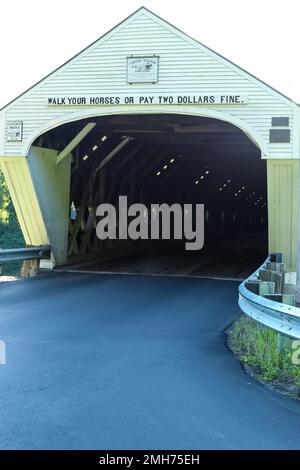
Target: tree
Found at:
x=10, y=232
x=5, y=202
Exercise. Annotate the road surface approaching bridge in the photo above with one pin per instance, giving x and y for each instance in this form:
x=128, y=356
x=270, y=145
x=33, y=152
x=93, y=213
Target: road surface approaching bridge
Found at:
x=130, y=362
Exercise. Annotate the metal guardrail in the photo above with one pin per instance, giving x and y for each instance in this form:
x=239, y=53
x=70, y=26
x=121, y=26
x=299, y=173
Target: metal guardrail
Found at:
x=23, y=254
x=283, y=318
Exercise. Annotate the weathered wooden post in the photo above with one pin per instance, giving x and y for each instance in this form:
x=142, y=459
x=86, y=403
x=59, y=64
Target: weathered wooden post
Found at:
x=30, y=267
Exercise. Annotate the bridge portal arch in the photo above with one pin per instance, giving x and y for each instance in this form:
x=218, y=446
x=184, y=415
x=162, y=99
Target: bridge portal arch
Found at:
x=145, y=69
x=208, y=161
x=81, y=114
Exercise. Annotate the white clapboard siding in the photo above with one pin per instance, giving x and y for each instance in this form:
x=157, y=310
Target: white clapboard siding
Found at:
x=185, y=66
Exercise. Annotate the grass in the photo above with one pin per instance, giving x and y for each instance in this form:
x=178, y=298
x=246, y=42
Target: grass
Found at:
x=256, y=346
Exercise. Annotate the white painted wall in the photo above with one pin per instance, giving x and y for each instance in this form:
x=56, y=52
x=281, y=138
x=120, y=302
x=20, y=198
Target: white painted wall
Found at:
x=52, y=187
x=185, y=67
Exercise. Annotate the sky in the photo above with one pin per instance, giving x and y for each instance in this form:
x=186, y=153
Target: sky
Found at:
x=261, y=36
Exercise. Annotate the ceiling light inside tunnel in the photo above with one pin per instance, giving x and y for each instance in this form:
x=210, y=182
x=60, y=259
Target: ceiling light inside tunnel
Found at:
x=158, y=173
x=201, y=177
x=165, y=167
x=235, y=194
x=172, y=160
x=228, y=181
x=207, y=172
x=85, y=157
x=104, y=138
x=95, y=147
x=197, y=182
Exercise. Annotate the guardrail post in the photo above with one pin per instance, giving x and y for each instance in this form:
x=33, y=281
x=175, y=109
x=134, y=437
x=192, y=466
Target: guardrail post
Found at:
x=273, y=276
x=30, y=268
x=288, y=299
x=266, y=287
x=262, y=297
x=275, y=257
x=274, y=266
x=283, y=342
x=260, y=287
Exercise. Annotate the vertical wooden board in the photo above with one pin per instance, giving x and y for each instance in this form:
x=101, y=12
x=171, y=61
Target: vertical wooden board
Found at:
x=283, y=186
x=27, y=198
x=295, y=213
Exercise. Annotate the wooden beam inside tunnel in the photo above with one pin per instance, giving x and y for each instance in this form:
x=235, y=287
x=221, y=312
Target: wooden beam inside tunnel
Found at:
x=140, y=164
x=174, y=169
x=131, y=164
x=74, y=142
x=125, y=159
x=154, y=163
x=113, y=153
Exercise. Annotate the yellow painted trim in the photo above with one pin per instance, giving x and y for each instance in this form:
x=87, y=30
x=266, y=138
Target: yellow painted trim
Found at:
x=283, y=208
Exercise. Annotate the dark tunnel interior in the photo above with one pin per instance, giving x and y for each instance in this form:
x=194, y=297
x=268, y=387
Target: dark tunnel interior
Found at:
x=167, y=159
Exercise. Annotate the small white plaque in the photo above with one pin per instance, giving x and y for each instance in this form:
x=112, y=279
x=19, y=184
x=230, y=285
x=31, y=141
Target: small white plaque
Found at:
x=14, y=131
x=142, y=69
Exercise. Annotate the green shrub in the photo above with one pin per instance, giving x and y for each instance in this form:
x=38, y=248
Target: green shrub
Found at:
x=257, y=346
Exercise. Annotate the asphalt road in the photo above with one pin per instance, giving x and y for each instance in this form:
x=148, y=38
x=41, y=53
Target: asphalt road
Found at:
x=130, y=362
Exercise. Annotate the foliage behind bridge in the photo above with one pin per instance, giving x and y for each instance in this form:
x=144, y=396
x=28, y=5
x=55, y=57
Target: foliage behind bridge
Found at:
x=10, y=232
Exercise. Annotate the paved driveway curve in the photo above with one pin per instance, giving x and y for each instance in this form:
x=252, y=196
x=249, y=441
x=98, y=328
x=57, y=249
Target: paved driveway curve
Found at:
x=124, y=362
